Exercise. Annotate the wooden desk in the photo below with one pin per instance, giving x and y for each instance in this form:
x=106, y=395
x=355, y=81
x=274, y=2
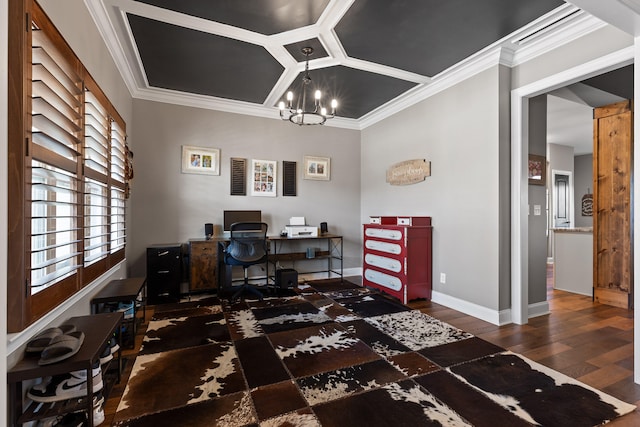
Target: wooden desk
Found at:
x=209, y=272
x=98, y=330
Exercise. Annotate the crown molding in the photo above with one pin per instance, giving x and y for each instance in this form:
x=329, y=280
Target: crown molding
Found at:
x=558, y=27
x=219, y=104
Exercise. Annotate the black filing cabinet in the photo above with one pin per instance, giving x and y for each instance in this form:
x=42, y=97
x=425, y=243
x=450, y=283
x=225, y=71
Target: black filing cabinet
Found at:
x=164, y=273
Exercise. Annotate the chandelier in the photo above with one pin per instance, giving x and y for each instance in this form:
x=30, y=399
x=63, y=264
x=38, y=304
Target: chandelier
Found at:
x=300, y=115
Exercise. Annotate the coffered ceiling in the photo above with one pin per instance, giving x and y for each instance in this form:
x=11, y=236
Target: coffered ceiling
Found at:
x=375, y=56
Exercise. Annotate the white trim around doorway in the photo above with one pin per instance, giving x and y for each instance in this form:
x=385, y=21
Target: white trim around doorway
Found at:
x=519, y=153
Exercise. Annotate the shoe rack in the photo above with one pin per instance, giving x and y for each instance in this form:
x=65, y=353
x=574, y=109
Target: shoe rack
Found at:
x=98, y=330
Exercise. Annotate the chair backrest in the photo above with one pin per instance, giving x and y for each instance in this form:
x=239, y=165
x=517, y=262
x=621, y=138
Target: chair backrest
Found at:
x=248, y=242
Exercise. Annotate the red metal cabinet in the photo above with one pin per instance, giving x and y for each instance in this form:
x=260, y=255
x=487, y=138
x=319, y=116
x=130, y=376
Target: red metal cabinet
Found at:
x=397, y=256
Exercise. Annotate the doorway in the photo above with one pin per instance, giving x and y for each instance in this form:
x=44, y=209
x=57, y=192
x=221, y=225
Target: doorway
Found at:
x=519, y=156
x=562, y=199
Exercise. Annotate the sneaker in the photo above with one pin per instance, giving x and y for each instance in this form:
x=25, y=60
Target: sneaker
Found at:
x=113, y=343
x=98, y=409
x=127, y=308
x=106, y=355
x=65, y=386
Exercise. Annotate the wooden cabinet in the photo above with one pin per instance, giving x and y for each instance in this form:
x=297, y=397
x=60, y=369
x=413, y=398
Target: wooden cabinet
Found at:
x=164, y=272
x=397, y=257
x=612, y=222
x=203, y=256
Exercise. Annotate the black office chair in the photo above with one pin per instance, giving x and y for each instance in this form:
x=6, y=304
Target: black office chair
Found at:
x=247, y=246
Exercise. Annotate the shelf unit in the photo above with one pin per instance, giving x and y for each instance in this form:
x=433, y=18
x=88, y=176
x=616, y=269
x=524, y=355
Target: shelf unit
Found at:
x=98, y=330
x=131, y=290
x=332, y=252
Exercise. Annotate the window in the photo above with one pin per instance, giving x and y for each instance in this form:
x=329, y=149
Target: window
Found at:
x=68, y=172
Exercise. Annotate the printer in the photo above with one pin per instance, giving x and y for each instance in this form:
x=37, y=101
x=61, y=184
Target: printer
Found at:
x=297, y=227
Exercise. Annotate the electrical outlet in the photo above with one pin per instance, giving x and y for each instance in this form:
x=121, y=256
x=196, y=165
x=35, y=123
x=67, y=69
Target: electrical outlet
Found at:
x=443, y=278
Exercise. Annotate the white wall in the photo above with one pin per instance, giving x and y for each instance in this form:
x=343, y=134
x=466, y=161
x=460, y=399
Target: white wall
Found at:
x=456, y=130
x=172, y=207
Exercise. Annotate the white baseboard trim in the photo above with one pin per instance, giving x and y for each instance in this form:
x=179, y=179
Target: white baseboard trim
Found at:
x=539, y=309
x=466, y=307
x=501, y=317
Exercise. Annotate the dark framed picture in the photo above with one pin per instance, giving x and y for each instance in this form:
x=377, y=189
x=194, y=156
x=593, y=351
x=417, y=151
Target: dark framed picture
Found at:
x=537, y=170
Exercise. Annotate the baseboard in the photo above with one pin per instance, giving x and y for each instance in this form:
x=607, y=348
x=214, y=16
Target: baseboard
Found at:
x=539, y=309
x=466, y=307
x=496, y=317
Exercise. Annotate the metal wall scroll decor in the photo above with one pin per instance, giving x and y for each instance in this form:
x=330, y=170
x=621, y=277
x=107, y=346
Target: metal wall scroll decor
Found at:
x=408, y=172
x=587, y=205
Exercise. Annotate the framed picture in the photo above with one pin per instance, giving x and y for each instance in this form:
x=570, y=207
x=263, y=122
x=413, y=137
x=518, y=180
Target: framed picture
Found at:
x=318, y=168
x=537, y=170
x=264, y=175
x=201, y=160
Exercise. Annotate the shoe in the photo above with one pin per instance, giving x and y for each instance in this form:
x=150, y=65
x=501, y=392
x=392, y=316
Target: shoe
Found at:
x=127, y=308
x=62, y=347
x=106, y=355
x=65, y=386
x=113, y=343
x=98, y=409
x=43, y=339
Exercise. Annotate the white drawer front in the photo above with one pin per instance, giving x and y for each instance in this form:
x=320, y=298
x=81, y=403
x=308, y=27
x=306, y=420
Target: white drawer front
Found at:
x=383, y=279
x=383, y=262
x=390, y=248
x=383, y=233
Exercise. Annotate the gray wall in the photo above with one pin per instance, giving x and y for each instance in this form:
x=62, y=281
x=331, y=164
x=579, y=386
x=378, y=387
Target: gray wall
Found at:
x=583, y=183
x=458, y=131
x=538, y=196
x=172, y=207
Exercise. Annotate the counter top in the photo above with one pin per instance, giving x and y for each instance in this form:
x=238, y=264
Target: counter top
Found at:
x=573, y=230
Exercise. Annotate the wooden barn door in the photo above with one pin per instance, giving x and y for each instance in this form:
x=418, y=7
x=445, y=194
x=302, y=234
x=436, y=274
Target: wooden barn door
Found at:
x=612, y=231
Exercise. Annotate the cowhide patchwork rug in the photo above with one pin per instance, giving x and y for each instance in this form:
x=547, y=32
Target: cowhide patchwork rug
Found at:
x=336, y=354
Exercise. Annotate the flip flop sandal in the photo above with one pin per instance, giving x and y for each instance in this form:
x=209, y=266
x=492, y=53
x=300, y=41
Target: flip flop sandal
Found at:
x=62, y=347
x=43, y=339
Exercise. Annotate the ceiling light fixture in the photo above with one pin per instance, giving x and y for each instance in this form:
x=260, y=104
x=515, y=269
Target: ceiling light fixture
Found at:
x=300, y=115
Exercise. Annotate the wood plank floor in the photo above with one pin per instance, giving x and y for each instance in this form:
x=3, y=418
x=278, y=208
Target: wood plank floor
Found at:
x=584, y=340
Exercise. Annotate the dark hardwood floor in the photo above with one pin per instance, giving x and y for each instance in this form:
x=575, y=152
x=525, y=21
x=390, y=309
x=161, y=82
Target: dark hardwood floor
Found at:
x=584, y=340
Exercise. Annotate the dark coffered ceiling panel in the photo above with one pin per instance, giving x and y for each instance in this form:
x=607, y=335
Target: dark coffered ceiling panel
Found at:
x=429, y=36
x=187, y=60
x=262, y=16
x=375, y=56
